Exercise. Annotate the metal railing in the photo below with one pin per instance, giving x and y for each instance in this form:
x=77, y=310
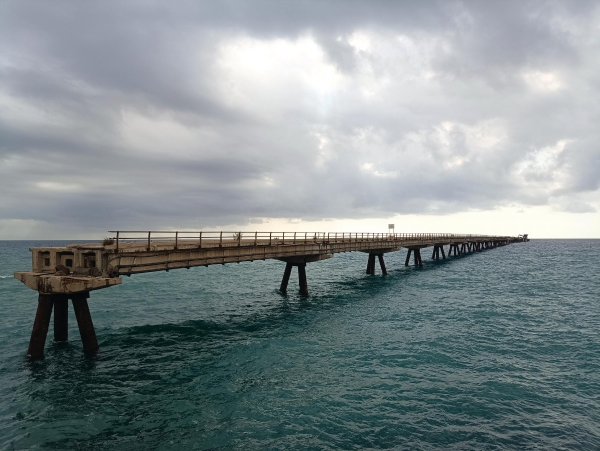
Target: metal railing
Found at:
x=244, y=238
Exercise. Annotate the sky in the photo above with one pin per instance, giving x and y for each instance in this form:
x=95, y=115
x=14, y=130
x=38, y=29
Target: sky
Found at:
x=437, y=116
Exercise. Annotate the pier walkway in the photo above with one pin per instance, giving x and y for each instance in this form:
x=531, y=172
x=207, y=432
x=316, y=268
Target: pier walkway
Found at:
x=71, y=272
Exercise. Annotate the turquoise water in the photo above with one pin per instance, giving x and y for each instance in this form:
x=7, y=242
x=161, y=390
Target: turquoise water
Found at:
x=492, y=350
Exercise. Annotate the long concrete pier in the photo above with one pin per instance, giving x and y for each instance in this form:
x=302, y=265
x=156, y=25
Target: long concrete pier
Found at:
x=72, y=272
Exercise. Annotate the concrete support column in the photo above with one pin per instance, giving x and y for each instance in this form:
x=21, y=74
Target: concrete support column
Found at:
x=286, y=278
x=407, y=257
x=84, y=321
x=40, y=327
x=302, y=278
x=382, y=264
x=61, y=321
x=418, y=259
x=371, y=264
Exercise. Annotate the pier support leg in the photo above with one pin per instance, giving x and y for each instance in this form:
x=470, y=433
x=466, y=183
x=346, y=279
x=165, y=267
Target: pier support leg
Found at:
x=443, y=252
x=407, y=257
x=84, y=321
x=286, y=278
x=433, y=253
x=61, y=321
x=302, y=278
x=371, y=265
x=382, y=264
x=418, y=259
x=40, y=327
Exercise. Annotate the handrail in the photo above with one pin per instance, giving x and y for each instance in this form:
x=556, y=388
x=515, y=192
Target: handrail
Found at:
x=239, y=238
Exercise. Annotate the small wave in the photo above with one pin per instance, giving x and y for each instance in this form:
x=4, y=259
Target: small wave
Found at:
x=5, y=277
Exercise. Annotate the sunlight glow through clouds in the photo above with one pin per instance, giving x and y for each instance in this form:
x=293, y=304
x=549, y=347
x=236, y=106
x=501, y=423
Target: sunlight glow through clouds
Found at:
x=277, y=73
x=543, y=81
x=370, y=169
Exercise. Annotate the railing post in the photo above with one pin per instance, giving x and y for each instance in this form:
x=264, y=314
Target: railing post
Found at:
x=270, y=235
x=239, y=239
x=221, y=240
x=200, y=240
x=176, y=239
x=149, y=240
x=117, y=241
x=255, y=238
x=294, y=237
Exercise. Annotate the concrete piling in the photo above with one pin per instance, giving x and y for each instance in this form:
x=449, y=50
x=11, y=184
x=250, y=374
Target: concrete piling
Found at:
x=371, y=264
x=302, y=279
x=382, y=264
x=61, y=319
x=40, y=327
x=286, y=278
x=417, y=258
x=84, y=321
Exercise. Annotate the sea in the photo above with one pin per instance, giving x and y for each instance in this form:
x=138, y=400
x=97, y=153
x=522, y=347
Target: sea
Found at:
x=492, y=350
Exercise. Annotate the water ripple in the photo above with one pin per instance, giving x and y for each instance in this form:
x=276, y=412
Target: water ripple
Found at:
x=494, y=350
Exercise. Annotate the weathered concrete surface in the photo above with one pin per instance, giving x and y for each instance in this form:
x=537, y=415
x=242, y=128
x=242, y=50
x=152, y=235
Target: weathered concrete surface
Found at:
x=52, y=284
x=108, y=261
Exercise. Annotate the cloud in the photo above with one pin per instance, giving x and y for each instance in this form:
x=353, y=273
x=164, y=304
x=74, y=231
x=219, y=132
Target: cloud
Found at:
x=135, y=114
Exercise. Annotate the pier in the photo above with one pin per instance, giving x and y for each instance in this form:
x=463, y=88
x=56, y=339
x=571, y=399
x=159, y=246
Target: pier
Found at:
x=72, y=272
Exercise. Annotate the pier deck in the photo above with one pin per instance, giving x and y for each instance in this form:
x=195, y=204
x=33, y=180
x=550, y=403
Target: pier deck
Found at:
x=60, y=273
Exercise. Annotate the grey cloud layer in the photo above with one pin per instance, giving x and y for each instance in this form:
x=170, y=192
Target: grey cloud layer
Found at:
x=195, y=115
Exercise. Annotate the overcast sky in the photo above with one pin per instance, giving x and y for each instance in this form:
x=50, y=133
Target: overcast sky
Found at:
x=466, y=116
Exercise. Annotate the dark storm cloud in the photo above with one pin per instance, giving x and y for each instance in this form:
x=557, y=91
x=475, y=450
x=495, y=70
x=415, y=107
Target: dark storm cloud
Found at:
x=196, y=114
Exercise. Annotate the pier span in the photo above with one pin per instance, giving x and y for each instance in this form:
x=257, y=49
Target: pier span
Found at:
x=71, y=272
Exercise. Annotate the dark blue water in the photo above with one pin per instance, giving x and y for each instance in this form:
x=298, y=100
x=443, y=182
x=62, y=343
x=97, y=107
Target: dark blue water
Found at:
x=493, y=350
